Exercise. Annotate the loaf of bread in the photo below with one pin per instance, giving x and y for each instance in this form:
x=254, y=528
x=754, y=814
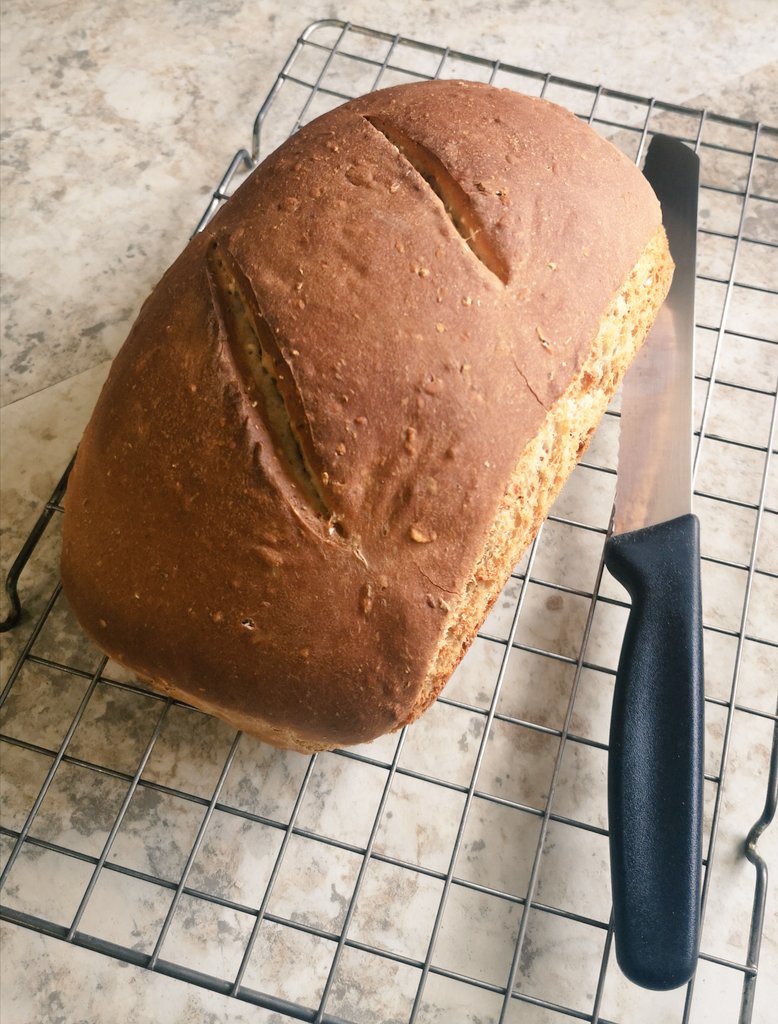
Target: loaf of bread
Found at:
x=346, y=408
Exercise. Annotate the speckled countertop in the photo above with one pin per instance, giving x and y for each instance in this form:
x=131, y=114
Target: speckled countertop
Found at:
x=117, y=121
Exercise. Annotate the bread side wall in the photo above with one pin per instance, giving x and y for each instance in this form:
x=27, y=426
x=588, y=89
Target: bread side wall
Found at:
x=551, y=455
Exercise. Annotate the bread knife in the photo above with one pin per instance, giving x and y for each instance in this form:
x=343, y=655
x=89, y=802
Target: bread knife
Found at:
x=655, y=764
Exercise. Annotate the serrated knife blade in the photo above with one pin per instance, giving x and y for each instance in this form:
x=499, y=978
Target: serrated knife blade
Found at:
x=655, y=764
x=654, y=482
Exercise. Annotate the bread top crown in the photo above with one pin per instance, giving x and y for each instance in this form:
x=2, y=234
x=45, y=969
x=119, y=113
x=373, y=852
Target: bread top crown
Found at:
x=302, y=445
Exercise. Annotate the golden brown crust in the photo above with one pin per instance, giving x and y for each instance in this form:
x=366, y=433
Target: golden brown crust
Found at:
x=313, y=440
x=552, y=453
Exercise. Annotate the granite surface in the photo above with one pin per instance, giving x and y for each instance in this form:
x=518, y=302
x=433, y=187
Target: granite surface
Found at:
x=115, y=129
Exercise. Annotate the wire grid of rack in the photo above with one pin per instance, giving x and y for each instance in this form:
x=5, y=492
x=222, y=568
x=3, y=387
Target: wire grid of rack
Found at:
x=456, y=871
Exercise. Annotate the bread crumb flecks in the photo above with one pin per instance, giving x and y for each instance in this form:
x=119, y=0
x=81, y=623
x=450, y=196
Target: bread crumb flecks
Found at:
x=543, y=339
x=421, y=536
x=366, y=599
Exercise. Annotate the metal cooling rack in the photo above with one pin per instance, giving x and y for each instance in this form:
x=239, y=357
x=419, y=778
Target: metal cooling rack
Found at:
x=460, y=893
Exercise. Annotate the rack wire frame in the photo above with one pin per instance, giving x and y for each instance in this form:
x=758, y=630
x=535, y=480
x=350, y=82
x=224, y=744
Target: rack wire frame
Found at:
x=332, y=61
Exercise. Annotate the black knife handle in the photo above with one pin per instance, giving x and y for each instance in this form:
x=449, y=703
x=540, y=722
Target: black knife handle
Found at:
x=656, y=764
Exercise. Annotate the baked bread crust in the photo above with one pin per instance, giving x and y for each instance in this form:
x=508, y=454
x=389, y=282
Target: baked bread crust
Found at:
x=346, y=408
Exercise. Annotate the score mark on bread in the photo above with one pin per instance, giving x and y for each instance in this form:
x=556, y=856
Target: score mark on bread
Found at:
x=453, y=197
x=268, y=382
